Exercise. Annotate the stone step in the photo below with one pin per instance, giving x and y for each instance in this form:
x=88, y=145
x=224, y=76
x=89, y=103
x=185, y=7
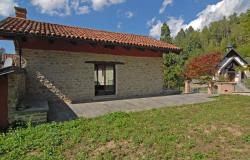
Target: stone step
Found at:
x=240, y=87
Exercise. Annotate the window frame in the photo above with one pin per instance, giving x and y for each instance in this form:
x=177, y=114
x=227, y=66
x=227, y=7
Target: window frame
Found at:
x=99, y=92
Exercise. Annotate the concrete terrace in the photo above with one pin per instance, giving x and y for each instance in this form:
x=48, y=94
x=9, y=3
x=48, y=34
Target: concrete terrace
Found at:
x=60, y=112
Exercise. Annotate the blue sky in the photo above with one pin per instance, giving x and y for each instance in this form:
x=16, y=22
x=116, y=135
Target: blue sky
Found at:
x=130, y=16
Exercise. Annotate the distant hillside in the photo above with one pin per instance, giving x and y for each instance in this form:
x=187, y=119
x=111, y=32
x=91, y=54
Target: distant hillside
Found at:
x=234, y=30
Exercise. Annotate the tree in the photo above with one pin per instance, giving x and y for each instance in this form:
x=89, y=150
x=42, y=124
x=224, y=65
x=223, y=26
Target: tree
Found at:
x=165, y=33
x=180, y=36
x=193, y=45
x=2, y=51
x=215, y=37
x=203, y=68
x=180, y=39
x=245, y=21
x=173, y=68
x=172, y=62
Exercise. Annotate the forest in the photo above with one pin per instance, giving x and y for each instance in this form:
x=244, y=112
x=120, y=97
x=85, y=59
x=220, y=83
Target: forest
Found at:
x=233, y=30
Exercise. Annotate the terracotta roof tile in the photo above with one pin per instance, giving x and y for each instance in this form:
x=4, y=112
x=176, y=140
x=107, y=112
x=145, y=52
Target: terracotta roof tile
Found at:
x=12, y=25
x=5, y=56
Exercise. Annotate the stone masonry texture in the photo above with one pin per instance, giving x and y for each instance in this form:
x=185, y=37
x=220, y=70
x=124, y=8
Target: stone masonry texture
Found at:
x=60, y=75
x=16, y=93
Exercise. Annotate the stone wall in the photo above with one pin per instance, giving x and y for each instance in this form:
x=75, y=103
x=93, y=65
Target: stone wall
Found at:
x=226, y=87
x=34, y=117
x=18, y=109
x=16, y=93
x=65, y=75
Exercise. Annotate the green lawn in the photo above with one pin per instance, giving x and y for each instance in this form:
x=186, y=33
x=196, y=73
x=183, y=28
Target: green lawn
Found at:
x=213, y=130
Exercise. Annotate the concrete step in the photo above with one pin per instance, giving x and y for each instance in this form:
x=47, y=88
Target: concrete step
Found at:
x=240, y=87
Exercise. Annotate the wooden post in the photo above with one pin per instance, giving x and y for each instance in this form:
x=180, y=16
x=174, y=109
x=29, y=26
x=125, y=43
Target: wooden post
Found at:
x=187, y=87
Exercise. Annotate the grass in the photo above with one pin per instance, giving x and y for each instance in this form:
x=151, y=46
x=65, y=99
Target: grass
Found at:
x=213, y=130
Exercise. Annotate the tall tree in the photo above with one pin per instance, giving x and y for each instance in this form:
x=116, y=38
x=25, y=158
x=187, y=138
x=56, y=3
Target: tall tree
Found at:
x=172, y=62
x=180, y=36
x=165, y=33
x=245, y=21
x=2, y=51
x=173, y=66
x=215, y=37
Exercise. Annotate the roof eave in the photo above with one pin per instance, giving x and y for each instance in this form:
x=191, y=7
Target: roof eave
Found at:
x=13, y=36
x=236, y=53
x=10, y=70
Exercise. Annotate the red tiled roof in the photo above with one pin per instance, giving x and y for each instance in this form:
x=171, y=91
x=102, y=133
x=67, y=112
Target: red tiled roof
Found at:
x=5, y=56
x=13, y=26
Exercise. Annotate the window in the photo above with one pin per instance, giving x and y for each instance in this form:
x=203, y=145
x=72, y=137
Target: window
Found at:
x=104, y=79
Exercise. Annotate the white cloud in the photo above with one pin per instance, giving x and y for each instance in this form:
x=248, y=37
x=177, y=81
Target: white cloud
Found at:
x=79, y=9
x=129, y=14
x=83, y=10
x=65, y=7
x=164, y=4
x=53, y=7
x=210, y=14
x=7, y=7
x=219, y=10
x=100, y=4
x=125, y=13
x=155, y=27
x=175, y=25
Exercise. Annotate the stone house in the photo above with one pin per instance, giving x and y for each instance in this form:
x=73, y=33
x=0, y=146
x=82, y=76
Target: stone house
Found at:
x=75, y=64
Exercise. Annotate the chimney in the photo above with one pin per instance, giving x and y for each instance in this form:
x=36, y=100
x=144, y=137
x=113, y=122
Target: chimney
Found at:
x=21, y=12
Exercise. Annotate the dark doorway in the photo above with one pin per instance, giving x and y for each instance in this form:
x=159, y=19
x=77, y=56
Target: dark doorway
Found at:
x=104, y=79
x=231, y=76
x=242, y=75
x=3, y=102
x=231, y=70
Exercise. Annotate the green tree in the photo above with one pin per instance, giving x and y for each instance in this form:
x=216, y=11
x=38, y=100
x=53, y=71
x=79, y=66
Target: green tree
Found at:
x=173, y=68
x=172, y=62
x=180, y=38
x=2, y=51
x=215, y=37
x=244, y=44
x=165, y=33
x=245, y=22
